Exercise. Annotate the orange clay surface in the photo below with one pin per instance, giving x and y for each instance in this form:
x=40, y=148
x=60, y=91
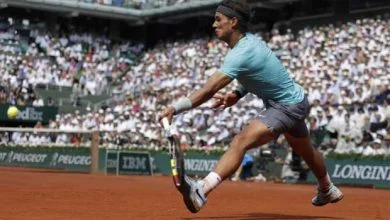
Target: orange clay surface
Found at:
x=50, y=195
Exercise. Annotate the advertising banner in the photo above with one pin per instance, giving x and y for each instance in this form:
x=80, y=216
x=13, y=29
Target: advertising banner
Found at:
x=64, y=158
x=358, y=172
x=112, y=162
x=200, y=165
x=30, y=113
x=157, y=162
x=135, y=163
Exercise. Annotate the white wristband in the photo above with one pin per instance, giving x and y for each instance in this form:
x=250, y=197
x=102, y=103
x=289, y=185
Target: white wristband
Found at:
x=182, y=105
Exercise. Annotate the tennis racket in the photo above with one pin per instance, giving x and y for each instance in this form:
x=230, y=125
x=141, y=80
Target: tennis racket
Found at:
x=176, y=156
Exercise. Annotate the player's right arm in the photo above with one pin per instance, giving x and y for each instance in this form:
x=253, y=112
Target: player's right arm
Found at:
x=216, y=82
x=234, y=65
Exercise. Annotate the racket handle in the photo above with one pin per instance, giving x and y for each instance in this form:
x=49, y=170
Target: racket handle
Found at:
x=165, y=123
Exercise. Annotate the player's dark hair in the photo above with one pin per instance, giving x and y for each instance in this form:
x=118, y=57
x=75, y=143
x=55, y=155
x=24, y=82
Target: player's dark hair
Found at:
x=242, y=8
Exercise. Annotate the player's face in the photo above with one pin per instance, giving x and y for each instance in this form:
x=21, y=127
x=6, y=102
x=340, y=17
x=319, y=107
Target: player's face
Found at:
x=223, y=26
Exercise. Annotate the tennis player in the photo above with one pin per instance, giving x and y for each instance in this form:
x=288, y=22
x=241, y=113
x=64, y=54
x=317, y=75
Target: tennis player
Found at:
x=258, y=71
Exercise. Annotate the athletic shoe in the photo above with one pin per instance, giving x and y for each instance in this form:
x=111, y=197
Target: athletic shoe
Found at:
x=333, y=195
x=193, y=194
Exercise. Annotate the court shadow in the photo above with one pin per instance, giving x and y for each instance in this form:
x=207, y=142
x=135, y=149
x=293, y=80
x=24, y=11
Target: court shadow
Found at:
x=254, y=216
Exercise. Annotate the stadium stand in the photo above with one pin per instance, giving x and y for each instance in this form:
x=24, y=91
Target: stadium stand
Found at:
x=76, y=69
x=137, y=4
x=344, y=67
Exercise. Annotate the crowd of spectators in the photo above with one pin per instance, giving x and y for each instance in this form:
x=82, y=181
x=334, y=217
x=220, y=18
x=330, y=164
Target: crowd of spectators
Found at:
x=344, y=68
x=137, y=4
x=85, y=61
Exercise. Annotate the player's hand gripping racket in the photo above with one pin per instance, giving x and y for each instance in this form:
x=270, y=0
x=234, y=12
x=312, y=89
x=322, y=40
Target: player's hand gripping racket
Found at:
x=176, y=155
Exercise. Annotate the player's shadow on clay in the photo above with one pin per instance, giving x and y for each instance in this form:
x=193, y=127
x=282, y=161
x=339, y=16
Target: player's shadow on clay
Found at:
x=254, y=216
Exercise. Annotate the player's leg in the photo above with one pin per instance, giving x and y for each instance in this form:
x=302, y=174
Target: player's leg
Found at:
x=255, y=134
x=303, y=147
x=300, y=142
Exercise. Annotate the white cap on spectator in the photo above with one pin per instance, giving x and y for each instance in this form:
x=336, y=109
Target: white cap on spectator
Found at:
x=382, y=132
x=213, y=129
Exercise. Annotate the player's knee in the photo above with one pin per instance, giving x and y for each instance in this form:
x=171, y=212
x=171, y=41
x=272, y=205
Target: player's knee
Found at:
x=239, y=142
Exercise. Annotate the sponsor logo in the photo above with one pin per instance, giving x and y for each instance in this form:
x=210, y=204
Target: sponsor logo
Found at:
x=364, y=172
x=66, y=159
x=134, y=163
x=153, y=163
x=30, y=114
x=26, y=157
x=112, y=163
x=3, y=156
x=54, y=158
x=9, y=157
x=199, y=164
x=74, y=160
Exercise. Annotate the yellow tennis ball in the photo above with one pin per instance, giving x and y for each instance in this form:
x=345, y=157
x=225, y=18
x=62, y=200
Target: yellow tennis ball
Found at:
x=12, y=112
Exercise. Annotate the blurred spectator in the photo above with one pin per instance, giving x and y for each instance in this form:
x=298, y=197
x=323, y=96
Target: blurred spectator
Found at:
x=244, y=171
x=50, y=101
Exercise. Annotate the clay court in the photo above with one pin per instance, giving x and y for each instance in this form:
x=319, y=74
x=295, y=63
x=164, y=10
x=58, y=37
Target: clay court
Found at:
x=50, y=195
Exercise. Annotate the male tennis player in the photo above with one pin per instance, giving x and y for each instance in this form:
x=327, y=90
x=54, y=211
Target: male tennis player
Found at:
x=260, y=72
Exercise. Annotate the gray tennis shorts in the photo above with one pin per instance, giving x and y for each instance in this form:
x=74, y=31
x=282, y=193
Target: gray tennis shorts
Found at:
x=286, y=118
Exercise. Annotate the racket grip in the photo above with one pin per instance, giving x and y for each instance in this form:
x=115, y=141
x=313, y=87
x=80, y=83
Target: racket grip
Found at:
x=165, y=123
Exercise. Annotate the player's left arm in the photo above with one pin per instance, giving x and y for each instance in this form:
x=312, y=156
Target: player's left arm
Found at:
x=216, y=82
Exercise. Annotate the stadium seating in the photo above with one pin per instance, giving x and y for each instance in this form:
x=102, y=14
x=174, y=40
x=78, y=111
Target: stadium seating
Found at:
x=138, y=4
x=344, y=68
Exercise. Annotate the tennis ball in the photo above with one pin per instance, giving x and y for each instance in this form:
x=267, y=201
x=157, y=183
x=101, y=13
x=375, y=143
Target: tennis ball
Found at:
x=12, y=112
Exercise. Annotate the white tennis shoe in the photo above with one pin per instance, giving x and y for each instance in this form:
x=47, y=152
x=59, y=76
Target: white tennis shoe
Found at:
x=193, y=194
x=333, y=195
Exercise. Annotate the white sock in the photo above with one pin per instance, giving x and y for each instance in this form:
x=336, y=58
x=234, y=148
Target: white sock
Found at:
x=324, y=183
x=211, y=181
